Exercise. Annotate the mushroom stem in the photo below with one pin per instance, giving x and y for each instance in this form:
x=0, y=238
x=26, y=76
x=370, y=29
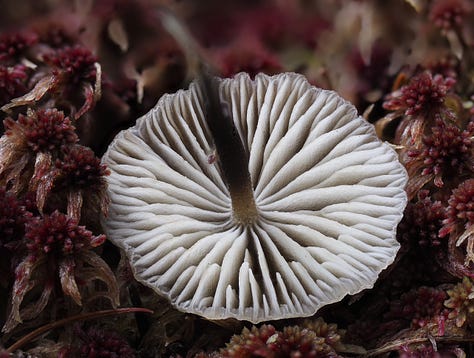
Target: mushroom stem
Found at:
x=231, y=153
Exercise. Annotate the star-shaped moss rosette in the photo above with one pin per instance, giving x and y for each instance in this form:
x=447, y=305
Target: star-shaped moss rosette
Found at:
x=303, y=214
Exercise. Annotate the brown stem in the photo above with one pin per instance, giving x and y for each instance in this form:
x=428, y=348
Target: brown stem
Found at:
x=80, y=317
x=231, y=152
x=392, y=346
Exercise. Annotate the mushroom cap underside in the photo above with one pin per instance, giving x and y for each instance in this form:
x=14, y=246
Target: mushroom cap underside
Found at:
x=329, y=196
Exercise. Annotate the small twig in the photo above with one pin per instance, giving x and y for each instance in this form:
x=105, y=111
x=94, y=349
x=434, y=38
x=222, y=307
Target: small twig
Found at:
x=79, y=317
x=396, y=344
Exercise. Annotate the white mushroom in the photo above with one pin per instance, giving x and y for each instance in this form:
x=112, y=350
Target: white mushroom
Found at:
x=314, y=222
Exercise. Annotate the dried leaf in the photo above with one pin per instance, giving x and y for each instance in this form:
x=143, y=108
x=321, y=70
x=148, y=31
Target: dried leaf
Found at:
x=68, y=279
x=104, y=202
x=100, y=271
x=14, y=175
x=410, y=131
x=117, y=34
x=33, y=310
x=418, y=5
x=43, y=178
x=98, y=82
x=7, y=150
x=89, y=102
x=455, y=44
x=74, y=204
x=21, y=286
x=416, y=183
x=456, y=263
x=469, y=232
x=382, y=123
x=40, y=89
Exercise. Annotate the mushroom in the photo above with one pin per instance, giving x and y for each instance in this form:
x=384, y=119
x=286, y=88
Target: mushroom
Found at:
x=299, y=209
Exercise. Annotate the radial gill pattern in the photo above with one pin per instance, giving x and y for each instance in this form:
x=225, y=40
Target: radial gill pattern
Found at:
x=329, y=196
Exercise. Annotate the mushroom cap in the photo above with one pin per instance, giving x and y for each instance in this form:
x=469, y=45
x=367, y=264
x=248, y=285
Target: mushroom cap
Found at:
x=329, y=195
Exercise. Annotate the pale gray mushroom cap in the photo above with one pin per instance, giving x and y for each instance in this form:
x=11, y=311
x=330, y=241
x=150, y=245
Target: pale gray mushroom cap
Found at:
x=329, y=195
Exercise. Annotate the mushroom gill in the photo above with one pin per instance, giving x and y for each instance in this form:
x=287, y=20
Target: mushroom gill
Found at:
x=328, y=195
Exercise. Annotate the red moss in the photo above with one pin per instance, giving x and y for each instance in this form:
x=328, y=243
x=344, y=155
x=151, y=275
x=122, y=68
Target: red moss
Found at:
x=44, y=130
x=58, y=235
x=447, y=66
x=311, y=339
x=424, y=93
x=81, y=169
x=447, y=151
x=76, y=63
x=58, y=249
x=460, y=212
x=420, y=306
x=96, y=342
x=80, y=176
x=459, y=224
x=30, y=145
x=57, y=37
x=461, y=302
x=13, y=216
x=12, y=82
x=13, y=45
x=419, y=351
x=247, y=54
x=449, y=14
x=75, y=74
x=249, y=342
x=303, y=342
x=234, y=62
x=422, y=221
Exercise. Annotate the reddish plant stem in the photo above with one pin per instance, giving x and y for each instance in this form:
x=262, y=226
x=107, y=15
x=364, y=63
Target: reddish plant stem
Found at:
x=79, y=317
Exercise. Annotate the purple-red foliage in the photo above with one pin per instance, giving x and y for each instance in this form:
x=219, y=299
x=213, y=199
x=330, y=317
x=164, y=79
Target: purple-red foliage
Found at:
x=447, y=66
x=446, y=151
x=76, y=63
x=420, y=307
x=310, y=339
x=13, y=216
x=419, y=351
x=97, y=342
x=29, y=146
x=58, y=235
x=57, y=37
x=56, y=249
x=12, y=82
x=423, y=94
x=43, y=130
x=458, y=224
x=80, y=176
x=249, y=55
x=13, y=45
x=251, y=342
x=422, y=221
x=460, y=212
x=449, y=14
x=80, y=169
